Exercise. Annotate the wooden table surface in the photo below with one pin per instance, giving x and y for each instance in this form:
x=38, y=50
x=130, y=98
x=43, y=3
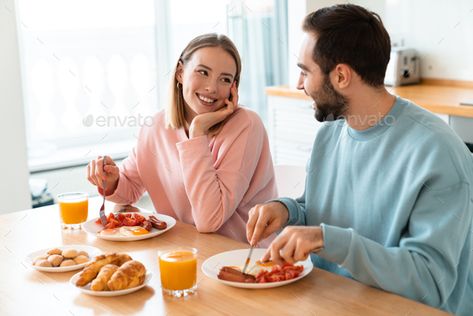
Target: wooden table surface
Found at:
x=24, y=291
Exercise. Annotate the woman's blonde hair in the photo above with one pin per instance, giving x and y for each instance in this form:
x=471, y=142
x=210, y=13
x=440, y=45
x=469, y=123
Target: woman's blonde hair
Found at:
x=176, y=110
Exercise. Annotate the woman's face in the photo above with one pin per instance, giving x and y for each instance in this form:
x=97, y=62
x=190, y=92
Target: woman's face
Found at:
x=206, y=80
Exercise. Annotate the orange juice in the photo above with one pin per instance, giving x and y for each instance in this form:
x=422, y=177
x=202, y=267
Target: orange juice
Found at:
x=73, y=208
x=178, y=269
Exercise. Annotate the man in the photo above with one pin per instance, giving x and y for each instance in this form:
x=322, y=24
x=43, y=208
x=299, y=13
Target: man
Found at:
x=388, y=198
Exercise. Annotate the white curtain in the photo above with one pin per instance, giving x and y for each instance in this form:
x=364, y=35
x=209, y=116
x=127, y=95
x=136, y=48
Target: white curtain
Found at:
x=260, y=33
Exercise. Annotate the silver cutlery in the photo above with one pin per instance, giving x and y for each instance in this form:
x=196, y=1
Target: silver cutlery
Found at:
x=247, y=260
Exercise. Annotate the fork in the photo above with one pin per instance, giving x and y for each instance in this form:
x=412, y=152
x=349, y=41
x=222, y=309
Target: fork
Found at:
x=103, y=219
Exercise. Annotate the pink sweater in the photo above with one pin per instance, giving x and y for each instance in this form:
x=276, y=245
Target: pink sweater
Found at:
x=208, y=182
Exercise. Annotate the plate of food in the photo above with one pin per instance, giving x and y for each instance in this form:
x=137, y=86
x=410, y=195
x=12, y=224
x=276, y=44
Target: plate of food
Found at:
x=226, y=268
x=62, y=258
x=130, y=226
x=111, y=275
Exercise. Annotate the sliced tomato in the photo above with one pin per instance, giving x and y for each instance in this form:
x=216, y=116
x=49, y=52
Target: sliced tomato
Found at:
x=278, y=273
x=139, y=218
x=121, y=219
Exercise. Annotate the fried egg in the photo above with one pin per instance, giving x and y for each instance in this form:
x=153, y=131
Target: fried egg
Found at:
x=132, y=231
x=260, y=266
x=124, y=231
x=266, y=264
x=109, y=231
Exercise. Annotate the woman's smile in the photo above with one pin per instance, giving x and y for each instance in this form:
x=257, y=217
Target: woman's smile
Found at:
x=207, y=101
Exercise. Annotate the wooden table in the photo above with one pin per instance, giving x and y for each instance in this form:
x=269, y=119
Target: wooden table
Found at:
x=24, y=291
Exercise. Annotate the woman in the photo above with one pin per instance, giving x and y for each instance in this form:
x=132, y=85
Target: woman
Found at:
x=204, y=161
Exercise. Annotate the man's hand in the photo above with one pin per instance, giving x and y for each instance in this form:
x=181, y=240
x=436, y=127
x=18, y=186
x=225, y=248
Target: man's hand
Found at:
x=203, y=122
x=265, y=219
x=294, y=244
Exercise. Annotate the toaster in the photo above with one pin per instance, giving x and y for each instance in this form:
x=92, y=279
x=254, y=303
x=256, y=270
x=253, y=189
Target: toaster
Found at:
x=403, y=67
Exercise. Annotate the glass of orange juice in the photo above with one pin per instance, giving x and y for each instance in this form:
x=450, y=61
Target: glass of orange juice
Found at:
x=178, y=270
x=73, y=209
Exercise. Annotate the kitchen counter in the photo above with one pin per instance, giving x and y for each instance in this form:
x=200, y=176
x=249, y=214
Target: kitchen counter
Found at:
x=438, y=96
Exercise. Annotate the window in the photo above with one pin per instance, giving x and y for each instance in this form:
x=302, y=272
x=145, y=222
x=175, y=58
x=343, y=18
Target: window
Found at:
x=95, y=71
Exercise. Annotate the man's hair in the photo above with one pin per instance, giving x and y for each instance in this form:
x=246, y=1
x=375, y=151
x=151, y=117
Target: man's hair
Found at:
x=350, y=34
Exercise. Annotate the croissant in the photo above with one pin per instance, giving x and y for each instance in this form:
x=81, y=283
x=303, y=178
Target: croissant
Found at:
x=130, y=274
x=100, y=282
x=93, y=268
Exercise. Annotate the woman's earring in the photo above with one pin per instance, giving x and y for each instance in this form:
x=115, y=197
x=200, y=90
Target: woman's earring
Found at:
x=177, y=85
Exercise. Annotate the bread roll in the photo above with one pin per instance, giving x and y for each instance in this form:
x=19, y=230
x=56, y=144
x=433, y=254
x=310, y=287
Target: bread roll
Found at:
x=81, y=259
x=100, y=282
x=67, y=263
x=43, y=263
x=83, y=253
x=129, y=275
x=54, y=251
x=55, y=260
x=69, y=253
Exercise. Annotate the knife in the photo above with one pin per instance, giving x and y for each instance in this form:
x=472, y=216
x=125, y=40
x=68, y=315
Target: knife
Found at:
x=247, y=260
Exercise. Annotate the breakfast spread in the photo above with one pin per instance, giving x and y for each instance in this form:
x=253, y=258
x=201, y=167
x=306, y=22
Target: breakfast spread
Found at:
x=261, y=272
x=112, y=272
x=56, y=257
x=130, y=224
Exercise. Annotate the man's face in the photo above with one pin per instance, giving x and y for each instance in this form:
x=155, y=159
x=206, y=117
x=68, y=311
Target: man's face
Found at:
x=328, y=104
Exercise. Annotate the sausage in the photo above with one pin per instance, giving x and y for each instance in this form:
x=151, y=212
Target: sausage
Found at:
x=233, y=275
x=157, y=223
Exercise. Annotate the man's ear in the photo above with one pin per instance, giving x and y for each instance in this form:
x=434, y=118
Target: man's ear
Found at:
x=342, y=76
x=179, y=71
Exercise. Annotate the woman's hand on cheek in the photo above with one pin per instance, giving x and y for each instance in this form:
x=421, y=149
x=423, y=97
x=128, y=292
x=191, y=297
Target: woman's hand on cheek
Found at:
x=203, y=122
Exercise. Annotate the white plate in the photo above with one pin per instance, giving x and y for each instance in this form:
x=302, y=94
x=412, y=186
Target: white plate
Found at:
x=92, y=251
x=93, y=228
x=86, y=289
x=212, y=265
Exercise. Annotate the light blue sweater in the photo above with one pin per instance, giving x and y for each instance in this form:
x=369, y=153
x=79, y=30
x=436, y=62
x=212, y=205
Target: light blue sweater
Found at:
x=395, y=204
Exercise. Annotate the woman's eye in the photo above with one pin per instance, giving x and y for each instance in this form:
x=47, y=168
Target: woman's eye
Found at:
x=303, y=74
x=227, y=80
x=202, y=72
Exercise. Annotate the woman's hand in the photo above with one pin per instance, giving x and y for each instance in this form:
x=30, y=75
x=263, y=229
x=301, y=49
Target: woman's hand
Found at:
x=103, y=169
x=203, y=122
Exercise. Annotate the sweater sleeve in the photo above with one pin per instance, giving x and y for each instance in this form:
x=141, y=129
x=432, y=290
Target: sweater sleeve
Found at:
x=130, y=187
x=217, y=182
x=296, y=208
x=423, y=266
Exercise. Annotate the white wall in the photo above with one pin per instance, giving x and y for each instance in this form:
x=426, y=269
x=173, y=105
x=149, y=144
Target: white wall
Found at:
x=441, y=31
x=296, y=12
x=14, y=191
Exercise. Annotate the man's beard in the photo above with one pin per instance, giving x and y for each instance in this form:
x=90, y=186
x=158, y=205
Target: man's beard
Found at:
x=329, y=104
